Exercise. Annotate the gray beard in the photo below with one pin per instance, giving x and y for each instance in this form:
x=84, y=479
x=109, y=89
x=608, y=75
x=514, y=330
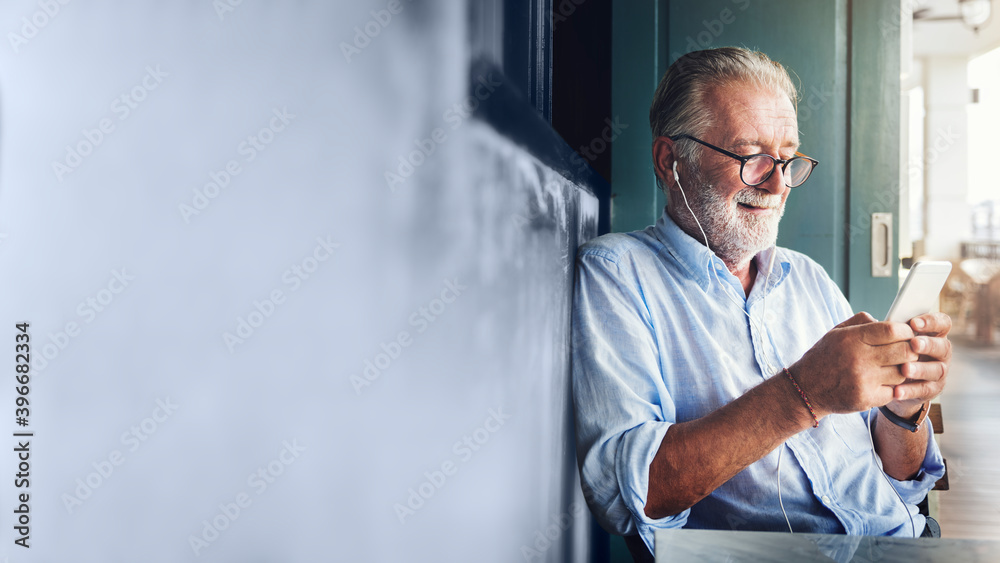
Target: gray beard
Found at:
x=733, y=234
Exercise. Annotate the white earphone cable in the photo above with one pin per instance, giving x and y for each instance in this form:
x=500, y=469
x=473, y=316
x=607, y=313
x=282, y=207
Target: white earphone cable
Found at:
x=913, y=527
x=767, y=277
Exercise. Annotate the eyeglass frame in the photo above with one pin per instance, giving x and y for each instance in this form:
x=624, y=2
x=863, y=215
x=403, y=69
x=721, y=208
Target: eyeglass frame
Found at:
x=744, y=159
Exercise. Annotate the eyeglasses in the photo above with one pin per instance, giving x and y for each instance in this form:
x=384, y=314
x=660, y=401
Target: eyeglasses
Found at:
x=755, y=169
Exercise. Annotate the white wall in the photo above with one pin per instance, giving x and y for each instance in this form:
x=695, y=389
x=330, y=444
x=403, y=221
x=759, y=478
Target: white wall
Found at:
x=946, y=156
x=498, y=346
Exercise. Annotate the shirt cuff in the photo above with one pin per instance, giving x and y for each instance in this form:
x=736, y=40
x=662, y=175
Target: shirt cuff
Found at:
x=931, y=469
x=636, y=451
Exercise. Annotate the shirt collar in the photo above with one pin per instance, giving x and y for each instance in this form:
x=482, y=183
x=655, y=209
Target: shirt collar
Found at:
x=699, y=260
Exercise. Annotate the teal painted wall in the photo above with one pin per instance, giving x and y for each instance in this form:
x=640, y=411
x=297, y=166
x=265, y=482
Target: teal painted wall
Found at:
x=637, y=31
x=874, y=146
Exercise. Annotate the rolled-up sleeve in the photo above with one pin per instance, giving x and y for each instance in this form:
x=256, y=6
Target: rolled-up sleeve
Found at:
x=621, y=406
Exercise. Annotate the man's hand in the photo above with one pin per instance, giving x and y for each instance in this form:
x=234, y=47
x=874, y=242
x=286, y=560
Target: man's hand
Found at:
x=902, y=452
x=855, y=366
x=862, y=364
x=925, y=378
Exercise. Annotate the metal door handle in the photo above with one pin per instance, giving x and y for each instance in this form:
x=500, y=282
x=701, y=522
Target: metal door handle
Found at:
x=881, y=245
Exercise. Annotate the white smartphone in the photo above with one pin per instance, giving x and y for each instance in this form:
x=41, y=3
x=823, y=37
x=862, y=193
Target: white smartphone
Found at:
x=920, y=291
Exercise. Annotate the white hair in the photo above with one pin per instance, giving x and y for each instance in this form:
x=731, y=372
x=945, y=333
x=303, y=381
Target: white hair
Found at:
x=679, y=103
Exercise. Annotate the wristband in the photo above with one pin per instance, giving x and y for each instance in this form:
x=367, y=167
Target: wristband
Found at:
x=804, y=398
x=912, y=425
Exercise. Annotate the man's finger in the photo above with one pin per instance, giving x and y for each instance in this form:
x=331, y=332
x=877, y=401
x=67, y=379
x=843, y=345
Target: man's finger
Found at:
x=883, y=395
x=894, y=354
x=933, y=347
x=888, y=376
x=937, y=324
x=858, y=319
x=924, y=371
x=917, y=390
x=880, y=334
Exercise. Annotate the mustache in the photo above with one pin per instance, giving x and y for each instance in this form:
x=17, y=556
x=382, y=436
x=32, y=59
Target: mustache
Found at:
x=756, y=198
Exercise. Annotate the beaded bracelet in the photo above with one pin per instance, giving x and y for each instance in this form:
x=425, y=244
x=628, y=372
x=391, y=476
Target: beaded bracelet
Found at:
x=804, y=398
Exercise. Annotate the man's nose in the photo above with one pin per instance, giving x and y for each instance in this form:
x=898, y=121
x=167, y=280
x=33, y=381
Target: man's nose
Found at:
x=776, y=183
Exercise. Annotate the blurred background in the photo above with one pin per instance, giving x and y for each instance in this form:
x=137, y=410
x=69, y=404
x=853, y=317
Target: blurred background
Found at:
x=298, y=277
x=950, y=83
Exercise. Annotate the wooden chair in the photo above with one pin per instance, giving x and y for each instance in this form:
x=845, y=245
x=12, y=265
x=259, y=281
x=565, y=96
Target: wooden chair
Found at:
x=958, y=299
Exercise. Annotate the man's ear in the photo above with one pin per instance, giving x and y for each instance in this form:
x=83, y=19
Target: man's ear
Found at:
x=663, y=161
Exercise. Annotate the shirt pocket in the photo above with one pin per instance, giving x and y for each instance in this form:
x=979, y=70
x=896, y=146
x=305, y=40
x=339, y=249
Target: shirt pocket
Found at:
x=852, y=430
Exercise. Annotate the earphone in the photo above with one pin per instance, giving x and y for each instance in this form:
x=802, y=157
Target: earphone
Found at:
x=771, y=369
x=681, y=188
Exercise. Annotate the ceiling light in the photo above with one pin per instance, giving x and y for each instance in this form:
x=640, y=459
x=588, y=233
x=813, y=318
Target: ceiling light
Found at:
x=975, y=13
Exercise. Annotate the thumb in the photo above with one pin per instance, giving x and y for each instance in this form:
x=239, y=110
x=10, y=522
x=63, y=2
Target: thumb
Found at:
x=861, y=318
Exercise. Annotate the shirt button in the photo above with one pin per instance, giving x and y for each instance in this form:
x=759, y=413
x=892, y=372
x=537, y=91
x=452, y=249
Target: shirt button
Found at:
x=825, y=499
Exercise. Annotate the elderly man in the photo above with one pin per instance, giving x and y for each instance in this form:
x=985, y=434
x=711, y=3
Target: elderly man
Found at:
x=723, y=382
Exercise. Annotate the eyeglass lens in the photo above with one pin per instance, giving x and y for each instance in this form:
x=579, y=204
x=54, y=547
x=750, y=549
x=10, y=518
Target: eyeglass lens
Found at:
x=796, y=172
x=758, y=168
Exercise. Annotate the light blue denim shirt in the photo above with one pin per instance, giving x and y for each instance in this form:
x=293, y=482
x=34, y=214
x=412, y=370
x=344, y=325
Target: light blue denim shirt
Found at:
x=660, y=336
